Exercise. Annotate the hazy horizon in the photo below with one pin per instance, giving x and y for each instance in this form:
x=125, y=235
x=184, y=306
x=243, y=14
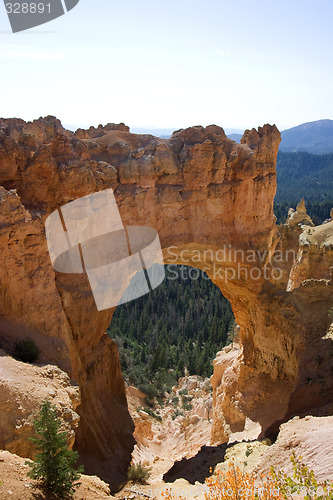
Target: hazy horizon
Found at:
x=166, y=130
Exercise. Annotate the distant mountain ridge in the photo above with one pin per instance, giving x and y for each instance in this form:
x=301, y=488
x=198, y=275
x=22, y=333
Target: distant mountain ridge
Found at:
x=235, y=137
x=312, y=137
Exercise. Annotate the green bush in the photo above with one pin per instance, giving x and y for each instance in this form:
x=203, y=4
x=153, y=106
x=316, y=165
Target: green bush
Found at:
x=55, y=463
x=187, y=406
x=138, y=473
x=249, y=450
x=301, y=482
x=26, y=351
x=151, y=393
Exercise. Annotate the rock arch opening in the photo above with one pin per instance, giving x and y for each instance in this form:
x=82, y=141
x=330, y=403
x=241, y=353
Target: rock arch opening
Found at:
x=200, y=191
x=173, y=331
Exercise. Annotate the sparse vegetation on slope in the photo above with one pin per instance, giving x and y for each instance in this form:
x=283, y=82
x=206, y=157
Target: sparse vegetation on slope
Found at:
x=302, y=482
x=236, y=484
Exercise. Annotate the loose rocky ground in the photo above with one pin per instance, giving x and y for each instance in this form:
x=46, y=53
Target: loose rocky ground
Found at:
x=165, y=434
x=161, y=443
x=309, y=437
x=178, y=428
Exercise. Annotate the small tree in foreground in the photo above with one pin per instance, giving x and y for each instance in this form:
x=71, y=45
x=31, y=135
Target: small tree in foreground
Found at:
x=55, y=463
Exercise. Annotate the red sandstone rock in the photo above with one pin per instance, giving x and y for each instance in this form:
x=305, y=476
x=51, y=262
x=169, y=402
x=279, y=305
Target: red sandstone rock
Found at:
x=202, y=192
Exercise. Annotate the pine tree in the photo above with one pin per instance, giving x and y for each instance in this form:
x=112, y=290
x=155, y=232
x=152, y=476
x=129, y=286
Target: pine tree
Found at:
x=55, y=463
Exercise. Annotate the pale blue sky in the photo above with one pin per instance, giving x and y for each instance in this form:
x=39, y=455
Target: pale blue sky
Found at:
x=153, y=63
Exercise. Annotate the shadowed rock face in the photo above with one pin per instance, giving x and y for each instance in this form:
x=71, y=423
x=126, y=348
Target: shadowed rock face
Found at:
x=211, y=201
x=199, y=467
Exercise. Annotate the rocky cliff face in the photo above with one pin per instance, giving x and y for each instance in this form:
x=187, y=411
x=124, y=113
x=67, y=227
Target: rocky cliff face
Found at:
x=211, y=201
x=284, y=355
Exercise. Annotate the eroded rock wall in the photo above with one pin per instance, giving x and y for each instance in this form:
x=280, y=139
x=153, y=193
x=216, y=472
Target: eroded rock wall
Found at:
x=211, y=201
x=281, y=363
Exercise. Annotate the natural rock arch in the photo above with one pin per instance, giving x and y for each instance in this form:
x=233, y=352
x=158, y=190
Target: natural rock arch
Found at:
x=201, y=192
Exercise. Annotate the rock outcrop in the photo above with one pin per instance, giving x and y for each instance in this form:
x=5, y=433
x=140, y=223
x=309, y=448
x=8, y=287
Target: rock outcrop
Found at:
x=309, y=438
x=288, y=360
x=211, y=201
x=22, y=389
x=198, y=467
x=299, y=216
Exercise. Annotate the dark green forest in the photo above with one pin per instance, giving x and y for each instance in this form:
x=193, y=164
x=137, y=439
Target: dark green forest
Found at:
x=308, y=176
x=179, y=327
x=304, y=175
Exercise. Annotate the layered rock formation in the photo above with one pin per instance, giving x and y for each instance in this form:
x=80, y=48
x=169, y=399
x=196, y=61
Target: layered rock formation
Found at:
x=288, y=357
x=309, y=438
x=211, y=201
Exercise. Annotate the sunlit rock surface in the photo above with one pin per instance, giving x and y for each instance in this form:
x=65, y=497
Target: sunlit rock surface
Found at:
x=211, y=201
